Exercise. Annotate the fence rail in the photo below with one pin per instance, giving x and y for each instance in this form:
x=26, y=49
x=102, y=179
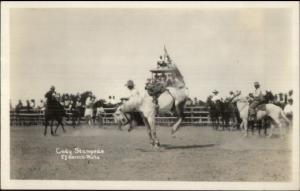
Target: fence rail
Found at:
x=195, y=116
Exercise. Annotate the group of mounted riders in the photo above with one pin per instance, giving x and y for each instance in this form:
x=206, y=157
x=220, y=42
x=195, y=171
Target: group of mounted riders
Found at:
x=223, y=111
x=166, y=92
x=85, y=104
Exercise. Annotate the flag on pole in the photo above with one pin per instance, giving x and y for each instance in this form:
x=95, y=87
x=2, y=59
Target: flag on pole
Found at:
x=177, y=73
x=167, y=55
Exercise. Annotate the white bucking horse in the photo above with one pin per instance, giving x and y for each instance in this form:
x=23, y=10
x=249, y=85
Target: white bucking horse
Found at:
x=269, y=109
x=171, y=100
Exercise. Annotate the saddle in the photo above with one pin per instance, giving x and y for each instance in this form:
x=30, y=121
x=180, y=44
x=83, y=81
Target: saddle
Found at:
x=261, y=107
x=155, y=90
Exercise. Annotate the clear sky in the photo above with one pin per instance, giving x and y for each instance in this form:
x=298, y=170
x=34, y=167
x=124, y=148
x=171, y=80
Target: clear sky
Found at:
x=100, y=49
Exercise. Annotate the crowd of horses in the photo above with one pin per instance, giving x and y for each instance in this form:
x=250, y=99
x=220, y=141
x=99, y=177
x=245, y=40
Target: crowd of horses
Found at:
x=224, y=114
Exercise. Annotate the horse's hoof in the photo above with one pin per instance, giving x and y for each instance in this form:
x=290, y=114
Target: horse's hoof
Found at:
x=157, y=143
x=155, y=146
x=130, y=129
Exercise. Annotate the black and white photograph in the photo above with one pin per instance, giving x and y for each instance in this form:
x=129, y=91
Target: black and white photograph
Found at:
x=150, y=95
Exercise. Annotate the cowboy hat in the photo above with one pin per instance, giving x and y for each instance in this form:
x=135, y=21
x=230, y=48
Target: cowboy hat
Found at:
x=129, y=83
x=256, y=83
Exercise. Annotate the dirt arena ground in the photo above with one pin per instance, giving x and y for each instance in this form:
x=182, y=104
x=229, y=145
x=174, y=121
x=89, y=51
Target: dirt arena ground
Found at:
x=196, y=154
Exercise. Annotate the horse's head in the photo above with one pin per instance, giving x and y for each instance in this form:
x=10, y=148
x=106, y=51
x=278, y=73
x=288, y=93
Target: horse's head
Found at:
x=269, y=96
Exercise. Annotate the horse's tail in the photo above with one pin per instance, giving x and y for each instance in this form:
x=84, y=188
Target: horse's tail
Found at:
x=284, y=117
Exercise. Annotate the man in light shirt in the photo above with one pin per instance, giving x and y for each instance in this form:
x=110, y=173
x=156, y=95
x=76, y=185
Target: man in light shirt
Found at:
x=257, y=99
x=133, y=92
x=133, y=103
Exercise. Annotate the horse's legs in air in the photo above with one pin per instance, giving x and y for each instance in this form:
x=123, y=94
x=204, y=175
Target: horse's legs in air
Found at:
x=176, y=126
x=180, y=113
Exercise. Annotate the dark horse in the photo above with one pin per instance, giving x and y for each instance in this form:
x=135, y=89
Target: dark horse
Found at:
x=214, y=112
x=229, y=113
x=54, y=112
x=222, y=113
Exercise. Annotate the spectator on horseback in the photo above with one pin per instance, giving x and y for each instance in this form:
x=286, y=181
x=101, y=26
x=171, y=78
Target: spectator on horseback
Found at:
x=257, y=100
x=281, y=100
x=19, y=106
x=28, y=106
x=50, y=95
x=231, y=94
x=32, y=104
x=216, y=97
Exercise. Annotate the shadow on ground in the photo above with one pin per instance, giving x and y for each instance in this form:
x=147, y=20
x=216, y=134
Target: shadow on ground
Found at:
x=169, y=147
x=172, y=147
